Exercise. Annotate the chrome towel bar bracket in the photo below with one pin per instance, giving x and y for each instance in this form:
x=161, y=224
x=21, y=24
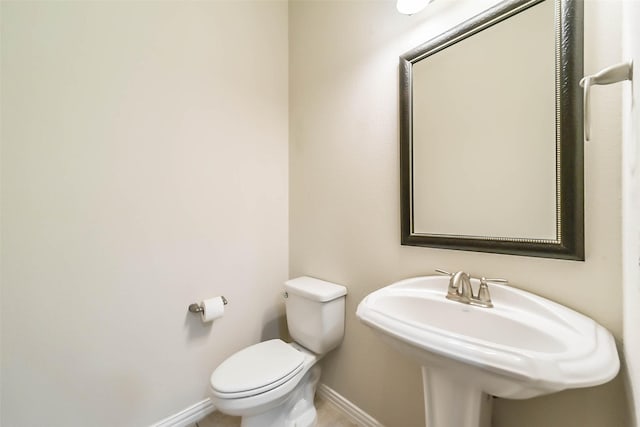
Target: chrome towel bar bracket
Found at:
x=613, y=74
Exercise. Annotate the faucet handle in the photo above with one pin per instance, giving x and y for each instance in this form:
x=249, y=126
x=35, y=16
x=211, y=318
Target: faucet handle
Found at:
x=484, y=298
x=485, y=281
x=444, y=273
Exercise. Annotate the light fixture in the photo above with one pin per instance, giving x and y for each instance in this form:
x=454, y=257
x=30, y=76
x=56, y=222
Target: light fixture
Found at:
x=409, y=7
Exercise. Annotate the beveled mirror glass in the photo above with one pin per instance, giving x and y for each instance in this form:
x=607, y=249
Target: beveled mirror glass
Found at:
x=491, y=135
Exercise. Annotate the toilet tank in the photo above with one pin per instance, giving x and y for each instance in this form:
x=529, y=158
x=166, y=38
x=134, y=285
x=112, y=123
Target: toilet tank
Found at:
x=315, y=313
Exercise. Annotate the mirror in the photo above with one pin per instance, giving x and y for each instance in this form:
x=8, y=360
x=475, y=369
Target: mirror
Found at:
x=490, y=133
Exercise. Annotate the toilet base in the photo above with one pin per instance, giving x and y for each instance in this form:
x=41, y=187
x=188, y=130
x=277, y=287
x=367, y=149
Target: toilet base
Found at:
x=297, y=410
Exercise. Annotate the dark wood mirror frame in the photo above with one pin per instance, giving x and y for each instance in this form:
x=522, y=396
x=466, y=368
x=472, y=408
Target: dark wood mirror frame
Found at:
x=569, y=243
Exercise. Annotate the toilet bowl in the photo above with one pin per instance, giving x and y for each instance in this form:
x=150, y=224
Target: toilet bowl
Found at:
x=273, y=383
x=284, y=383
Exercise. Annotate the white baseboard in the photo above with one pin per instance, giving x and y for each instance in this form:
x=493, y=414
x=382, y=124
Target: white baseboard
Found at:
x=350, y=410
x=188, y=416
x=193, y=413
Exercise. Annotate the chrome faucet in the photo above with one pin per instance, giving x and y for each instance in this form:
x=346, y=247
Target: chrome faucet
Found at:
x=460, y=289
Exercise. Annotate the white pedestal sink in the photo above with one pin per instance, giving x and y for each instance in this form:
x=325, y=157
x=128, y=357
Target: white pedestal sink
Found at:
x=525, y=346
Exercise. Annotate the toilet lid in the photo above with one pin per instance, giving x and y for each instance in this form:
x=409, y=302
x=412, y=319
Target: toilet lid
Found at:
x=258, y=368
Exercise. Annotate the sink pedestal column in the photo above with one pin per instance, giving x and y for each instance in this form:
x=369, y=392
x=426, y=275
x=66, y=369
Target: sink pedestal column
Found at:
x=449, y=402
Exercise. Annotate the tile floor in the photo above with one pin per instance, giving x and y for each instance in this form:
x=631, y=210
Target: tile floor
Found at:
x=328, y=416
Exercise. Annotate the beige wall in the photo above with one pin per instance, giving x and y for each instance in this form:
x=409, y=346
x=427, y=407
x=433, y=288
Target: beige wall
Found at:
x=144, y=167
x=344, y=201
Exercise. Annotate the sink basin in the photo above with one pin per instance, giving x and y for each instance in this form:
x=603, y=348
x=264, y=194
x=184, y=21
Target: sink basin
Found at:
x=525, y=346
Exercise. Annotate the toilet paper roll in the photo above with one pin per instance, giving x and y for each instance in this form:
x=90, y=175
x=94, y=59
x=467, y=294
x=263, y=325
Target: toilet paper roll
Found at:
x=213, y=309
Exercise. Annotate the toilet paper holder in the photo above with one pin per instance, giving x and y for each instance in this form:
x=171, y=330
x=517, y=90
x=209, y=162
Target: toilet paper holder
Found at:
x=196, y=308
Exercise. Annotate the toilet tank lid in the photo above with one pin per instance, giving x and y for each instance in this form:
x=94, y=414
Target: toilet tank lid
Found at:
x=314, y=289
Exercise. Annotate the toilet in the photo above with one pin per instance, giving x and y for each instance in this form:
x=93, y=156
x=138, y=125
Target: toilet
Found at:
x=273, y=383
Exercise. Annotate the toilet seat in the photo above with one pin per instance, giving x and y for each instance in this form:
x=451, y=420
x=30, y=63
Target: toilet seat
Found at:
x=257, y=369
